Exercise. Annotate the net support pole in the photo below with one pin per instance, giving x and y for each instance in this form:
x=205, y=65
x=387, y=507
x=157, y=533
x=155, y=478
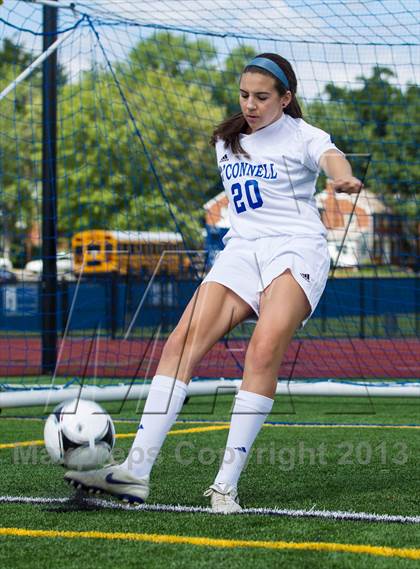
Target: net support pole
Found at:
x=49, y=194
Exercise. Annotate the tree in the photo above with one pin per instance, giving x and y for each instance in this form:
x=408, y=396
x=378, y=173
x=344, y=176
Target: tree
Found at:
x=20, y=148
x=226, y=81
x=381, y=119
x=19, y=161
x=13, y=60
x=172, y=55
x=122, y=175
x=13, y=55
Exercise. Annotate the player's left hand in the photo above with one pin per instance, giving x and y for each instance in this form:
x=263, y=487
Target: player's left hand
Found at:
x=348, y=185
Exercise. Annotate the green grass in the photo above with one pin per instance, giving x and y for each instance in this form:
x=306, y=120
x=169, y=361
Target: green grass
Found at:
x=391, y=271
x=359, y=468
x=387, y=327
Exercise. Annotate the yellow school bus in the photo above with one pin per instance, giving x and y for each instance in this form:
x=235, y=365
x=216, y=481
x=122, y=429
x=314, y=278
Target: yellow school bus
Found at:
x=101, y=251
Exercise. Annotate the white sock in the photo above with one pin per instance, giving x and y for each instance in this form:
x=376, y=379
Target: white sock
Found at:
x=248, y=415
x=164, y=402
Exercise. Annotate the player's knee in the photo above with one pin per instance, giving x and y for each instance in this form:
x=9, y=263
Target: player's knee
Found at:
x=260, y=354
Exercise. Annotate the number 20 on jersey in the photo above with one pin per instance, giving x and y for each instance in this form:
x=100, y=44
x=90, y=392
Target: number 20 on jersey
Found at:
x=246, y=196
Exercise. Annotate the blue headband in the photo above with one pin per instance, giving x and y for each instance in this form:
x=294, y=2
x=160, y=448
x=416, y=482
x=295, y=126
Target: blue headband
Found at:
x=272, y=67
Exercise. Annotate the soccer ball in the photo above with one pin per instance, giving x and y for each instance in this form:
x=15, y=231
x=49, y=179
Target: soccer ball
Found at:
x=79, y=435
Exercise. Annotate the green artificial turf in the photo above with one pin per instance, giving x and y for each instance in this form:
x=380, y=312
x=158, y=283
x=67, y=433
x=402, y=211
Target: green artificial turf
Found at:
x=302, y=463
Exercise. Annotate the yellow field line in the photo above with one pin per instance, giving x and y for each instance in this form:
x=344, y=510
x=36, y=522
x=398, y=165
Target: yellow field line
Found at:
x=181, y=431
x=200, y=429
x=22, y=444
x=221, y=427
x=382, y=551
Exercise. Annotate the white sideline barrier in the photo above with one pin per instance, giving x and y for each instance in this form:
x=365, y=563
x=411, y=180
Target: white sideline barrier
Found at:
x=328, y=388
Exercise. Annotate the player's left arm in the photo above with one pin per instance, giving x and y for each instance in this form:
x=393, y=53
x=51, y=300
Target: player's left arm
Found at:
x=338, y=168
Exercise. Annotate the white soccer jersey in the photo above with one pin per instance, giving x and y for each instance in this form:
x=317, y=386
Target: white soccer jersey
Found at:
x=272, y=192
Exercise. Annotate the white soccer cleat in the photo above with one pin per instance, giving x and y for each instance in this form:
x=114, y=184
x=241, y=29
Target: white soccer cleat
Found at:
x=223, y=498
x=113, y=480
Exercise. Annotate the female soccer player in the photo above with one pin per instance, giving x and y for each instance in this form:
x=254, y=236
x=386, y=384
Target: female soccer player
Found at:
x=275, y=263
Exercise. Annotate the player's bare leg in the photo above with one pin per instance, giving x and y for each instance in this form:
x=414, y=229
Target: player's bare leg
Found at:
x=212, y=312
x=283, y=306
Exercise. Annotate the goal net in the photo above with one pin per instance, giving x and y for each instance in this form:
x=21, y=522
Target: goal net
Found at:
x=140, y=88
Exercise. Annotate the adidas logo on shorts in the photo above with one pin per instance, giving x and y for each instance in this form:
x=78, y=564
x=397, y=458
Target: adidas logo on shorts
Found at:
x=224, y=158
x=306, y=276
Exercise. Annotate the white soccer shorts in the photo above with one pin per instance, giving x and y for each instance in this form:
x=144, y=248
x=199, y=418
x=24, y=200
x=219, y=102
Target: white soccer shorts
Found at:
x=248, y=266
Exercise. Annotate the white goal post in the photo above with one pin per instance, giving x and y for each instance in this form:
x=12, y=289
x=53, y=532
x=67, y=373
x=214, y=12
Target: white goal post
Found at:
x=36, y=63
x=18, y=397
x=45, y=54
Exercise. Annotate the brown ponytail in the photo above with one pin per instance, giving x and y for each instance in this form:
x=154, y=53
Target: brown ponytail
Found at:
x=230, y=129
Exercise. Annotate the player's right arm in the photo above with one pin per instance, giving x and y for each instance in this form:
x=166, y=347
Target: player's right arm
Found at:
x=338, y=168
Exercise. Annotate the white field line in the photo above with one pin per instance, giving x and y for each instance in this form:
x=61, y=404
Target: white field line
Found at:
x=324, y=514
